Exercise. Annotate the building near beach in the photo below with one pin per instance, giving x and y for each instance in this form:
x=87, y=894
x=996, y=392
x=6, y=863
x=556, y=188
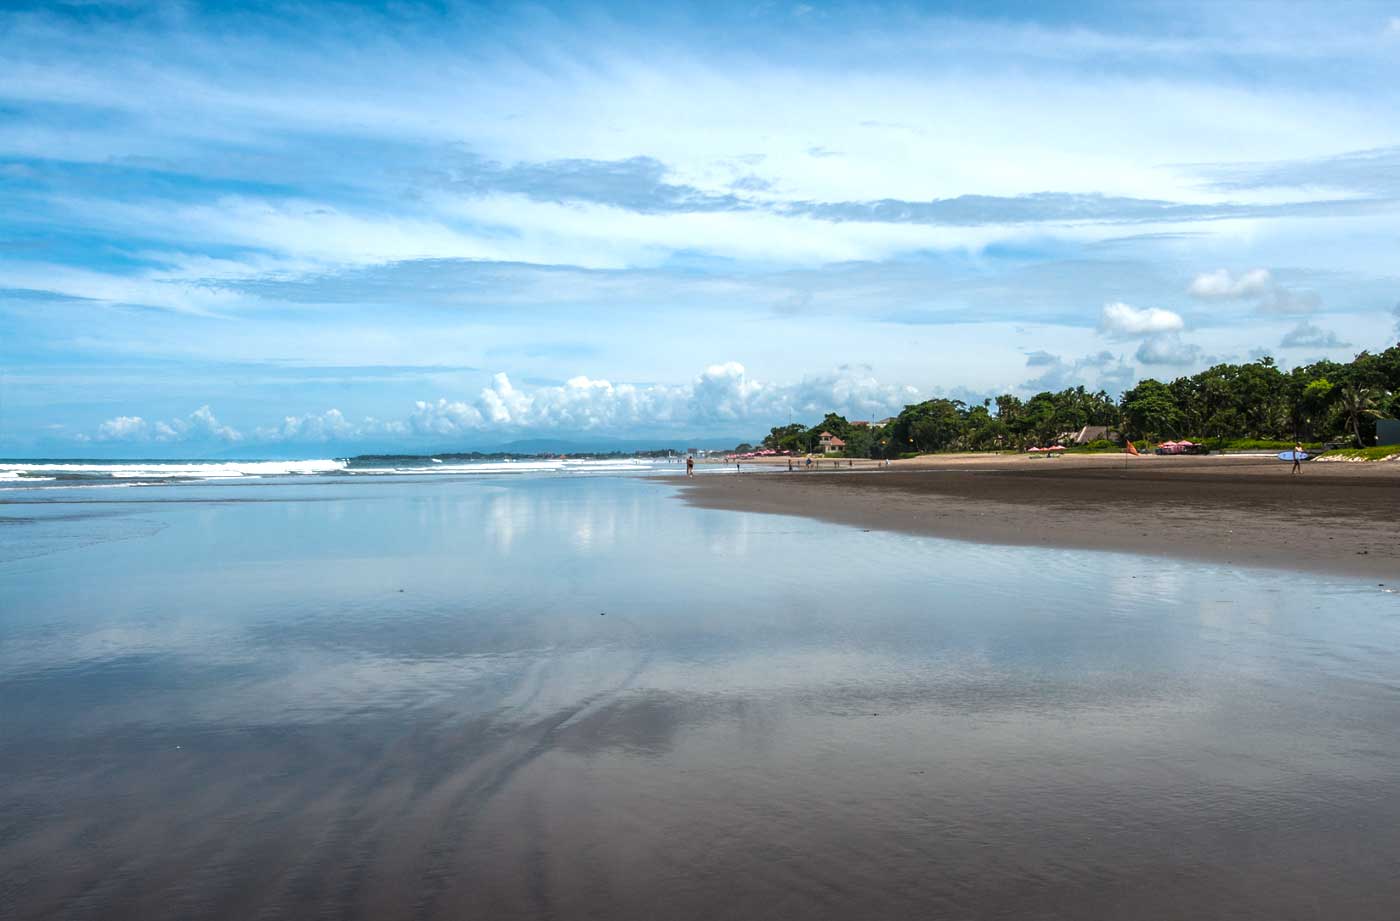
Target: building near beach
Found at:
x=828, y=443
x=1090, y=433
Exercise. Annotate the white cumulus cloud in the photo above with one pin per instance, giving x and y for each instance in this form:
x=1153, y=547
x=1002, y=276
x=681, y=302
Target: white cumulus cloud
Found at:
x=201, y=422
x=123, y=428
x=444, y=418
x=1124, y=320
x=502, y=404
x=722, y=393
x=326, y=426
x=200, y=425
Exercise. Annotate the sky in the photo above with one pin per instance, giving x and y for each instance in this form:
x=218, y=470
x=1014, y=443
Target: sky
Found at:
x=313, y=229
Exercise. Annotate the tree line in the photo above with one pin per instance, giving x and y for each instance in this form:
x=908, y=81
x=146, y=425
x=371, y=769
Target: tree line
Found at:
x=1323, y=401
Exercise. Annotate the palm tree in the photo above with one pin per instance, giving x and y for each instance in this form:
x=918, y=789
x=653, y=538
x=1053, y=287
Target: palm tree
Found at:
x=1357, y=402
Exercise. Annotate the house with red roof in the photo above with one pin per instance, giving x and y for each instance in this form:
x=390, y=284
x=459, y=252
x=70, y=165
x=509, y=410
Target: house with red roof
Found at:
x=828, y=443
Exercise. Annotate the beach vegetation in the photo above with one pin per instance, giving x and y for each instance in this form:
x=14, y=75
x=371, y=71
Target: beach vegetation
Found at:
x=1253, y=405
x=1373, y=453
x=1264, y=444
x=1357, y=402
x=1099, y=446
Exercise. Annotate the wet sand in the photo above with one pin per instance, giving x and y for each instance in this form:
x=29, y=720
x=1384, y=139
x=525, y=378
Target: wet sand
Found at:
x=577, y=698
x=1335, y=518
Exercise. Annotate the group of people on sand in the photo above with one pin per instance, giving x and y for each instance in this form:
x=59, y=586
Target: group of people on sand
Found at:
x=807, y=463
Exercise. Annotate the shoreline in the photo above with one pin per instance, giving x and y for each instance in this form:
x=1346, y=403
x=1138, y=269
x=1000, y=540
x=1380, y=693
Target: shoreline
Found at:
x=1337, y=519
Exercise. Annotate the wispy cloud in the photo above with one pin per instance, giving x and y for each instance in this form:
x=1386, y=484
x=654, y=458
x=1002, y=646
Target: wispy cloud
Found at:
x=634, y=184
x=643, y=185
x=1370, y=173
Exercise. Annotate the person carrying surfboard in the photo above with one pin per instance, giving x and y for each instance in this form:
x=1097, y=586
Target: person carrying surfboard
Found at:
x=1297, y=458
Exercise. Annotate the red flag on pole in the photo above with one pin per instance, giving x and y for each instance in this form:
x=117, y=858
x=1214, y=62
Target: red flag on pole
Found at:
x=1131, y=448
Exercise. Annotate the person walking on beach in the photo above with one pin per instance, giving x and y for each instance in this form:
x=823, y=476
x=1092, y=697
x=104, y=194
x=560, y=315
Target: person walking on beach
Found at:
x=789, y=465
x=1297, y=458
x=690, y=466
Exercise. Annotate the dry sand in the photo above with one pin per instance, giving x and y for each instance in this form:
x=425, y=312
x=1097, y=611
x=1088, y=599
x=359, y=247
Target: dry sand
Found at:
x=1247, y=510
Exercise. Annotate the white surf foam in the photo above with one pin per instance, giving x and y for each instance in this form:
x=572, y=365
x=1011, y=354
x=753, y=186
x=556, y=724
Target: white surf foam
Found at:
x=631, y=464
x=158, y=470
x=441, y=468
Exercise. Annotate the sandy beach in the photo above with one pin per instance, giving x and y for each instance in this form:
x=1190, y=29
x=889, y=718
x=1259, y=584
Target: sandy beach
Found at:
x=1249, y=510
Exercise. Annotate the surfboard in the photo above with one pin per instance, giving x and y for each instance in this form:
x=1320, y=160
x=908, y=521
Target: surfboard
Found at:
x=1288, y=455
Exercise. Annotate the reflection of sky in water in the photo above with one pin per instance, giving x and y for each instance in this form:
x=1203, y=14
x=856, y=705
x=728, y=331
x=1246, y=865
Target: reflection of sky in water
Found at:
x=594, y=668
x=327, y=601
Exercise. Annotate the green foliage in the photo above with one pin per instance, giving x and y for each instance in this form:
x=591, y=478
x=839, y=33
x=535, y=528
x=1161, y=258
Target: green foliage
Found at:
x=787, y=438
x=859, y=441
x=1262, y=444
x=1151, y=407
x=1373, y=453
x=1359, y=402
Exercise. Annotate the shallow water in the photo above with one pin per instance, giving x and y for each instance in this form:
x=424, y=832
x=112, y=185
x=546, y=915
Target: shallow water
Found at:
x=441, y=697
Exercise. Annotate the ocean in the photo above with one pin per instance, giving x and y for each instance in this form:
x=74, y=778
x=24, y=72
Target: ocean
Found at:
x=553, y=690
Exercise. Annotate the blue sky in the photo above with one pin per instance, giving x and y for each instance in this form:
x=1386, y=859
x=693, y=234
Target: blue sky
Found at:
x=302, y=229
